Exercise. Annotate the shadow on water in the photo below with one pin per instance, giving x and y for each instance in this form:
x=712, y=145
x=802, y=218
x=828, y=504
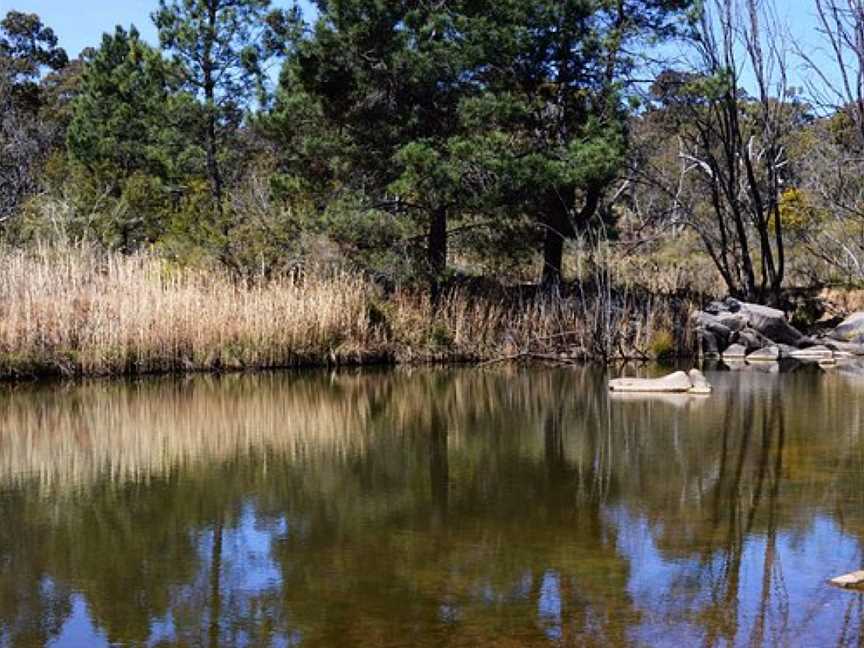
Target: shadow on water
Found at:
x=456, y=508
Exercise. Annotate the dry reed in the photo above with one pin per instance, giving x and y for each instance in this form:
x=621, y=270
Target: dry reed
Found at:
x=75, y=311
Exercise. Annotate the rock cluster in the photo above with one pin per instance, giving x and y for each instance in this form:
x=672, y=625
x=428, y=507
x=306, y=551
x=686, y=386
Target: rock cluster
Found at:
x=737, y=331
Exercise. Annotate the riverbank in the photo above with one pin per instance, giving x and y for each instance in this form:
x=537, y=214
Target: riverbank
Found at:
x=76, y=311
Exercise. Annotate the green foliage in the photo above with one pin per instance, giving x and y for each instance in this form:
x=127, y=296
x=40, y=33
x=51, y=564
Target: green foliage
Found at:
x=125, y=108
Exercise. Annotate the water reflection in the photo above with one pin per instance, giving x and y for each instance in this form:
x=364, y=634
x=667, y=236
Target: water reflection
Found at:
x=431, y=508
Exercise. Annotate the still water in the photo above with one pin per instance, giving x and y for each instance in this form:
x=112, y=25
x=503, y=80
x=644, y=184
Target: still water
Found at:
x=431, y=508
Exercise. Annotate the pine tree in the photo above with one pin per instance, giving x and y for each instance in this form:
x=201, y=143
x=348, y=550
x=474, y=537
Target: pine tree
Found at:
x=222, y=47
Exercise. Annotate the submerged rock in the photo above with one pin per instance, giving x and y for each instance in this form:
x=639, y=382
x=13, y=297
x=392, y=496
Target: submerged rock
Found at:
x=675, y=382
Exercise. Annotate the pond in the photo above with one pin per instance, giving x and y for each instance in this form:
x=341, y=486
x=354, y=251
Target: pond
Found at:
x=471, y=507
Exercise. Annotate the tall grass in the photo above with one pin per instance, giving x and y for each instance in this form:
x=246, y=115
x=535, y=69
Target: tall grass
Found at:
x=72, y=310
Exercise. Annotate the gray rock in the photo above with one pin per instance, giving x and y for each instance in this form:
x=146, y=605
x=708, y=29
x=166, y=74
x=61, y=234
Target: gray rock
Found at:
x=768, y=354
x=851, y=348
x=675, y=382
x=851, y=329
x=786, y=350
x=818, y=353
x=735, y=352
x=751, y=340
x=732, y=321
x=712, y=324
x=700, y=383
x=771, y=323
x=708, y=346
x=738, y=317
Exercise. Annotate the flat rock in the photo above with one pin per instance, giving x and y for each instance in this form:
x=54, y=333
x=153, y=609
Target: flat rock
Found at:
x=851, y=329
x=851, y=348
x=678, y=382
x=768, y=354
x=818, y=353
x=700, y=383
x=735, y=352
x=848, y=581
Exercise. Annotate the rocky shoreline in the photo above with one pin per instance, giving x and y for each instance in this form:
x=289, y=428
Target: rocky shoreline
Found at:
x=744, y=334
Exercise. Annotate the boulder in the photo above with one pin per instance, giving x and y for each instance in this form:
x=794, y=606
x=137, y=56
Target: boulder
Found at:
x=732, y=321
x=751, y=339
x=700, y=383
x=735, y=352
x=678, y=382
x=851, y=329
x=751, y=325
x=848, y=581
x=767, y=354
x=708, y=345
x=771, y=323
x=711, y=324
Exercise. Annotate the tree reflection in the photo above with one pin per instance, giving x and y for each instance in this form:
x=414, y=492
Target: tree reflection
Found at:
x=430, y=508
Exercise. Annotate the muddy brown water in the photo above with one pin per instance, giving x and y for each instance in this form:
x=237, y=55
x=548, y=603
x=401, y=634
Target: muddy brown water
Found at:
x=431, y=508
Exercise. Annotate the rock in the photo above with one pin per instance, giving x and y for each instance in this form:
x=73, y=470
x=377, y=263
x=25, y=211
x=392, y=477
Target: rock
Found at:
x=708, y=345
x=771, y=323
x=736, y=317
x=711, y=324
x=768, y=354
x=851, y=348
x=700, y=383
x=752, y=340
x=851, y=329
x=735, y=352
x=847, y=581
x=786, y=350
x=678, y=382
x=818, y=353
x=732, y=321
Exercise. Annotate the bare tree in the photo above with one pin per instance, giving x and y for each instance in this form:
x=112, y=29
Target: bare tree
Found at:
x=731, y=158
x=831, y=173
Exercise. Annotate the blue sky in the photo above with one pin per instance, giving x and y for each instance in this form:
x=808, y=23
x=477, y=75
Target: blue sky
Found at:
x=81, y=23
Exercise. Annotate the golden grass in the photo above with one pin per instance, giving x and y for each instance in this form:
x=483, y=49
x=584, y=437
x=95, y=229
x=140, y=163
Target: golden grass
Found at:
x=75, y=311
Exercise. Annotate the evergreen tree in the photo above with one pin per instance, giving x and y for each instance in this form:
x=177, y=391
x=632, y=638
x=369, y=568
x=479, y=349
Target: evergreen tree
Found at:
x=222, y=47
x=549, y=127
x=386, y=79
x=133, y=132
x=119, y=116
